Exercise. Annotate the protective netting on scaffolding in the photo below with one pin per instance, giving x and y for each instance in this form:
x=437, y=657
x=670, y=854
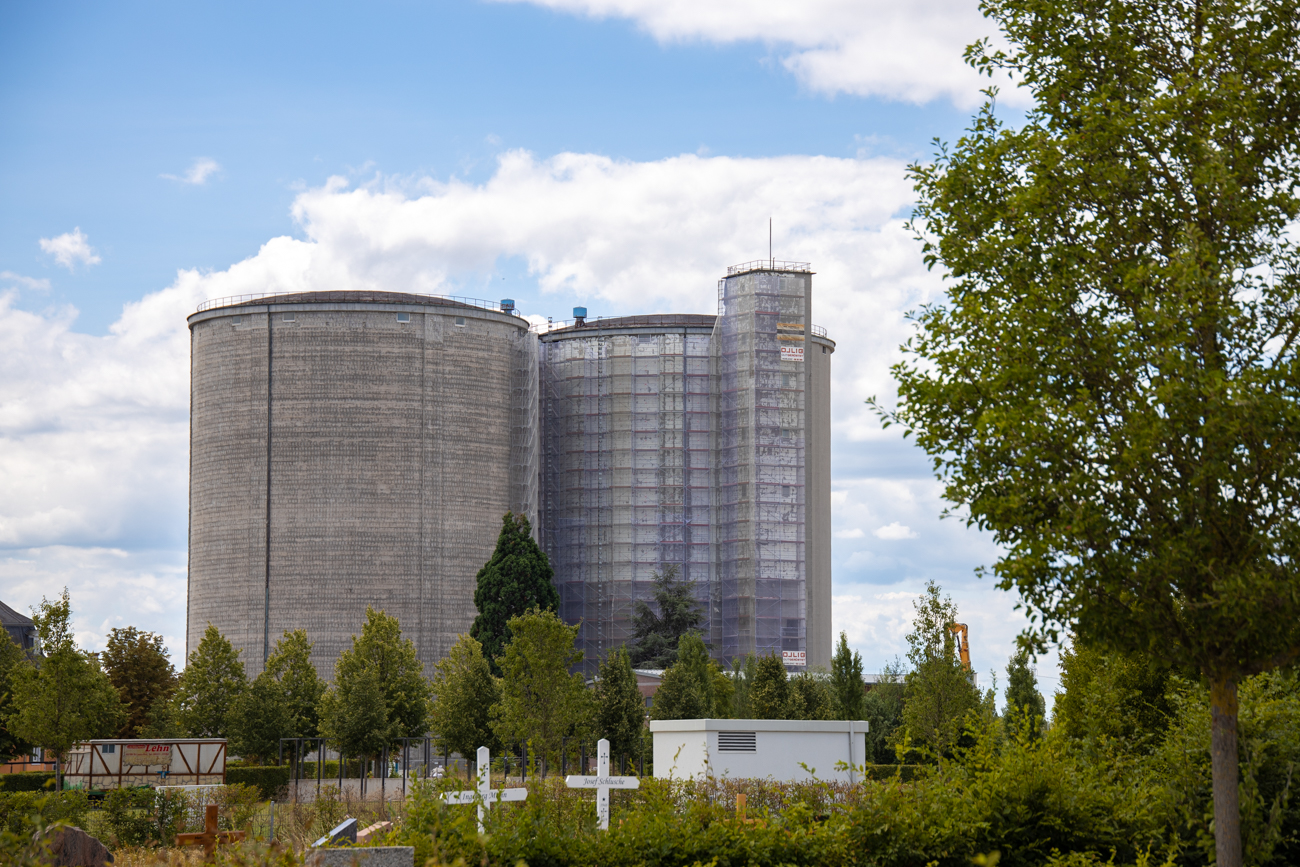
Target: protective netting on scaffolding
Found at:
x=524, y=433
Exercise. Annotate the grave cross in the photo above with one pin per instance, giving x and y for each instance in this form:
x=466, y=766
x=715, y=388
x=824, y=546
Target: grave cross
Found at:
x=484, y=795
x=602, y=783
x=210, y=837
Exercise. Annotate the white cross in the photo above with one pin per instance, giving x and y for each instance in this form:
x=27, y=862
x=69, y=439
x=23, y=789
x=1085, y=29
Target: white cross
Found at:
x=485, y=796
x=602, y=783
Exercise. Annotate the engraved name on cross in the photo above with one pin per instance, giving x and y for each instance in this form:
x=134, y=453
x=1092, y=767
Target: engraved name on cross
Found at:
x=602, y=783
x=485, y=796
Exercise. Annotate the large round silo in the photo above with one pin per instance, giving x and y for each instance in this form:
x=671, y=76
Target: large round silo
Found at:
x=351, y=449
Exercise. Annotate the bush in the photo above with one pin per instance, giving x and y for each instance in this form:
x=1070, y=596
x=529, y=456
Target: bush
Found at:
x=28, y=781
x=906, y=773
x=268, y=779
x=18, y=808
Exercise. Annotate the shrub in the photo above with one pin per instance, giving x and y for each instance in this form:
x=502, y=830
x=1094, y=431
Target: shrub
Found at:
x=18, y=808
x=267, y=779
x=238, y=804
x=28, y=781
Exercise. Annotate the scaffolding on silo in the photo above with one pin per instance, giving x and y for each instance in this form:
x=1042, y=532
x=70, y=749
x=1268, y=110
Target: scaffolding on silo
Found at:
x=525, y=446
x=761, y=565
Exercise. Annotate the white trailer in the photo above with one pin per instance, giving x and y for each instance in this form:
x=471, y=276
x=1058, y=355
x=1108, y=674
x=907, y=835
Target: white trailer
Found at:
x=96, y=766
x=790, y=750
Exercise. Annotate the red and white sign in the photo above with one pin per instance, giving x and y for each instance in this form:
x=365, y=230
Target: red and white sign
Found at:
x=146, y=755
x=794, y=657
x=792, y=353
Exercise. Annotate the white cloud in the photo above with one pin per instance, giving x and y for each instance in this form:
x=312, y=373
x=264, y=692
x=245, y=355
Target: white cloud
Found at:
x=855, y=533
x=904, y=51
x=70, y=248
x=26, y=282
x=894, y=532
x=198, y=173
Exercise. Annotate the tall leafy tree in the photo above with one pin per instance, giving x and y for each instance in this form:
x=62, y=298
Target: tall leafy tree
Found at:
x=210, y=686
x=516, y=579
x=1115, y=701
x=687, y=690
x=63, y=696
x=769, y=697
x=290, y=665
x=379, y=692
x=1026, y=707
x=660, y=627
x=846, y=685
x=938, y=691
x=541, y=702
x=11, y=657
x=464, y=693
x=620, y=709
x=1110, y=387
x=139, y=666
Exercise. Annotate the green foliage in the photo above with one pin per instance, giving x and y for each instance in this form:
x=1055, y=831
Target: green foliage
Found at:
x=516, y=579
x=139, y=667
x=11, y=657
x=620, y=709
x=658, y=634
x=66, y=698
x=687, y=688
x=144, y=816
x=260, y=717
x=541, y=702
x=164, y=720
x=810, y=698
x=847, y=687
x=464, y=693
x=210, y=686
x=769, y=697
x=742, y=674
x=1115, y=701
x=267, y=779
x=938, y=691
x=883, y=709
x=1026, y=708
x=290, y=664
x=379, y=692
x=17, y=808
x=27, y=781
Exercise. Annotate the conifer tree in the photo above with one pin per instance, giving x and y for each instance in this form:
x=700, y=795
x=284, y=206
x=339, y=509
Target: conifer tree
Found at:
x=846, y=682
x=210, y=686
x=658, y=632
x=620, y=709
x=515, y=580
x=769, y=698
x=687, y=689
x=464, y=693
x=1025, y=704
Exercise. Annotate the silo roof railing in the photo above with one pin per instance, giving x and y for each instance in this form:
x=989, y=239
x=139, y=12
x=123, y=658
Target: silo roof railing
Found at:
x=818, y=331
x=352, y=296
x=769, y=265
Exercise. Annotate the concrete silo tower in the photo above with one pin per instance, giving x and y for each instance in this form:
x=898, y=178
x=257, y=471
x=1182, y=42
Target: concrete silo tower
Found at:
x=351, y=449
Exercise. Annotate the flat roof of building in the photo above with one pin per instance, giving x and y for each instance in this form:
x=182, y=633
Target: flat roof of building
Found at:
x=350, y=296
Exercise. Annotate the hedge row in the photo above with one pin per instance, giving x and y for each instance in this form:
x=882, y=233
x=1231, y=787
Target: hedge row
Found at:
x=28, y=781
x=269, y=779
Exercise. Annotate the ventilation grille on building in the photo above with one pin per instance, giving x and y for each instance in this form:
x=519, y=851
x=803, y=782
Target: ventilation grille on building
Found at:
x=737, y=742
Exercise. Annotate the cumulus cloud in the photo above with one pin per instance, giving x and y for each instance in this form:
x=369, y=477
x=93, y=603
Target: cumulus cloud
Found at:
x=894, y=531
x=70, y=248
x=198, y=173
x=902, y=51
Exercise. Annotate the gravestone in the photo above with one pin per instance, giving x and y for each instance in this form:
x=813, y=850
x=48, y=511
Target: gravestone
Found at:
x=362, y=856
x=343, y=832
x=602, y=783
x=73, y=847
x=484, y=795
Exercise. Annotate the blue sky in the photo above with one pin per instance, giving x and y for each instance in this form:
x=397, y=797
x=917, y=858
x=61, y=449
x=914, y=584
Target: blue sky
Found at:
x=613, y=153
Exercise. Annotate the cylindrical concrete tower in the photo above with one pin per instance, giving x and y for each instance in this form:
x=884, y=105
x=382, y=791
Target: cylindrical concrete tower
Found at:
x=351, y=449
x=626, y=466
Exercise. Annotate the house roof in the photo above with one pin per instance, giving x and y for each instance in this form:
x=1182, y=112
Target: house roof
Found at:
x=9, y=617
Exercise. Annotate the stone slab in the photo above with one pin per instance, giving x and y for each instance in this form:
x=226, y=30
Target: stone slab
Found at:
x=363, y=856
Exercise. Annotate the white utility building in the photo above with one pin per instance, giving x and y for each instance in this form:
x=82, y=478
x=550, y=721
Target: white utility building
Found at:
x=788, y=750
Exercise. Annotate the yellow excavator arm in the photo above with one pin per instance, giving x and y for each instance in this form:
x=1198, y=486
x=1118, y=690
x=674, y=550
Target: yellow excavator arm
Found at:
x=963, y=643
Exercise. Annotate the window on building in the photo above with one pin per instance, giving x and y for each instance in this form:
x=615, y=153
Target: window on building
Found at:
x=237, y=320
x=460, y=320
x=403, y=317
x=785, y=490
x=288, y=317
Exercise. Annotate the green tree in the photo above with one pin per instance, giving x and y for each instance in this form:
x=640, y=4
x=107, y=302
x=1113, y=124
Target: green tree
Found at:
x=541, y=702
x=938, y=691
x=209, y=686
x=1026, y=708
x=1116, y=701
x=810, y=698
x=63, y=696
x=11, y=657
x=883, y=709
x=464, y=693
x=769, y=697
x=290, y=664
x=259, y=718
x=658, y=633
x=379, y=692
x=620, y=708
x=846, y=682
x=1110, y=387
x=139, y=667
x=515, y=580
x=687, y=690
x=742, y=674
x=164, y=721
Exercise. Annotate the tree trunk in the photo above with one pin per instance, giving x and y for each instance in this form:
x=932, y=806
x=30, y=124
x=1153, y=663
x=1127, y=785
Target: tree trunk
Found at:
x=1223, y=754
